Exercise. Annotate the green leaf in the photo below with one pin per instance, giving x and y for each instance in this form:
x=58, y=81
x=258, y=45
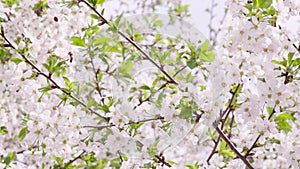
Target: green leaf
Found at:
x=126, y=67
x=223, y=145
x=262, y=3
x=228, y=153
x=191, y=47
x=296, y=62
x=94, y=16
x=3, y=130
x=158, y=37
x=4, y=55
x=114, y=49
x=189, y=77
x=116, y=163
x=91, y=103
x=58, y=160
x=145, y=87
x=102, y=163
x=138, y=37
x=191, y=64
x=290, y=57
x=105, y=108
x=166, y=126
x=16, y=60
x=9, y=158
x=249, y=7
x=22, y=133
x=10, y=2
x=269, y=110
x=208, y=56
x=171, y=162
x=152, y=149
x=134, y=127
x=67, y=81
x=205, y=46
x=101, y=40
x=77, y=41
x=93, y=2
x=100, y=75
x=159, y=100
x=100, y=2
x=186, y=112
x=102, y=12
x=117, y=21
x=39, y=7
x=45, y=89
x=158, y=23
x=282, y=122
x=191, y=166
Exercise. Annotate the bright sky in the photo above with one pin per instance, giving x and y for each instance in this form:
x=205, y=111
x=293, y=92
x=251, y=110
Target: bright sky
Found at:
x=199, y=18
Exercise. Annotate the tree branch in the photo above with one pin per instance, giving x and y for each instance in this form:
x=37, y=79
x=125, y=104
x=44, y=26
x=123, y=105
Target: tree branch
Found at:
x=76, y=158
x=225, y=113
x=132, y=122
x=233, y=148
x=105, y=21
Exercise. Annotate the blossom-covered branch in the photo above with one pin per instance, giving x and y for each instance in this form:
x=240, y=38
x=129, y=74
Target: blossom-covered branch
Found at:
x=48, y=77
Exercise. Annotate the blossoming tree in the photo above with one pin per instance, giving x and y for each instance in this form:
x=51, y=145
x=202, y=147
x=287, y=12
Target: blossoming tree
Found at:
x=82, y=89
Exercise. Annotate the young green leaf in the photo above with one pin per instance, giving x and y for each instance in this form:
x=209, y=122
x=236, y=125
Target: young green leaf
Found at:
x=16, y=60
x=262, y=3
x=3, y=130
x=77, y=41
x=22, y=133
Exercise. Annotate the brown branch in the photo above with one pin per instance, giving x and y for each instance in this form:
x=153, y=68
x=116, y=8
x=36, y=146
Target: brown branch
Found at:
x=76, y=158
x=105, y=21
x=179, y=71
x=232, y=147
x=162, y=160
x=214, y=149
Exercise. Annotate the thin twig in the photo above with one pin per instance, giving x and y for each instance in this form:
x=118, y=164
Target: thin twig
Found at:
x=230, y=125
x=214, y=149
x=132, y=122
x=288, y=38
x=76, y=158
x=162, y=160
x=223, y=120
x=258, y=137
x=179, y=71
x=96, y=79
x=161, y=87
x=213, y=34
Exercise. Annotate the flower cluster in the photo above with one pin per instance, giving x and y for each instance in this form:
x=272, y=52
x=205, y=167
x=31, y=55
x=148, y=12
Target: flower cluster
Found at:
x=80, y=91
